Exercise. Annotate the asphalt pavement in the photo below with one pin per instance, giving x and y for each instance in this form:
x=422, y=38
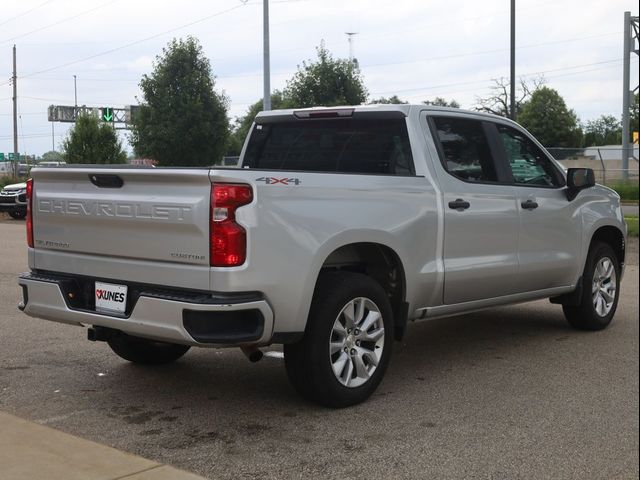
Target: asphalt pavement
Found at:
x=508, y=393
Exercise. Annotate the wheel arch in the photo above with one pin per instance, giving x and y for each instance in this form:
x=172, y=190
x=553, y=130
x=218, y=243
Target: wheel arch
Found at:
x=610, y=234
x=380, y=262
x=614, y=237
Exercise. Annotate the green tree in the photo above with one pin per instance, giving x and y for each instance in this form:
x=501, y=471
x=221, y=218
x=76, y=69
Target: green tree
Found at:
x=52, y=156
x=394, y=100
x=325, y=82
x=243, y=124
x=183, y=120
x=92, y=141
x=442, y=102
x=548, y=118
x=605, y=130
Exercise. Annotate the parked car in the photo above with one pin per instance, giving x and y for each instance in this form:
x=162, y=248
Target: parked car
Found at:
x=13, y=200
x=339, y=227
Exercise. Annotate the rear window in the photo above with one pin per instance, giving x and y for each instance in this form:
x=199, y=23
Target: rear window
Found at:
x=376, y=146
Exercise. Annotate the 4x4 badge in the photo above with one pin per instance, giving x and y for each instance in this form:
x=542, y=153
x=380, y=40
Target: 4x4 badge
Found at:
x=281, y=181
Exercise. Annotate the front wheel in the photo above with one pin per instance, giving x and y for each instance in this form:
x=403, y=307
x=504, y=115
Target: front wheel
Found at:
x=347, y=343
x=600, y=290
x=144, y=351
x=17, y=215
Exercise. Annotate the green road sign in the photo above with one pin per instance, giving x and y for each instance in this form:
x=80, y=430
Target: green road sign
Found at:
x=107, y=114
x=13, y=157
x=1, y=157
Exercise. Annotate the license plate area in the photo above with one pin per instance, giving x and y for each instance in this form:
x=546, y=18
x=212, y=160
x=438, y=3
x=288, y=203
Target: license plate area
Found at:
x=110, y=297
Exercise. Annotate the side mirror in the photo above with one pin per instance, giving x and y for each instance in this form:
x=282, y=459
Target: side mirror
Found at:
x=579, y=179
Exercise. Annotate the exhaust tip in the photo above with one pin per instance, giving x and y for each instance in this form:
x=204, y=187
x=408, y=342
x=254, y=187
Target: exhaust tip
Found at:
x=92, y=336
x=99, y=334
x=254, y=354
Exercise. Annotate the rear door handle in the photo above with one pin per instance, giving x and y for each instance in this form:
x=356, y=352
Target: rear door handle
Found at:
x=529, y=205
x=459, y=204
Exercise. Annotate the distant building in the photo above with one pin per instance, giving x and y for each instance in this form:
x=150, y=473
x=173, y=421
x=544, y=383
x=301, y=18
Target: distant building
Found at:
x=608, y=152
x=147, y=162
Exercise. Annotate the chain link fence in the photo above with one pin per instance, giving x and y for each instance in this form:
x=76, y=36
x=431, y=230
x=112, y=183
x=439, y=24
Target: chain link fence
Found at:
x=606, y=161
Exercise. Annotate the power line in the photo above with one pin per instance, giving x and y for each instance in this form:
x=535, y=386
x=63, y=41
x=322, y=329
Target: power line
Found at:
x=59, y=22
x=482, y=52
x=31, y=135
x=478, y=90
x=25, y=13
x=530, y=74
x=49, y=99
x=414, y=89
x=136, y=42
x=287, y=72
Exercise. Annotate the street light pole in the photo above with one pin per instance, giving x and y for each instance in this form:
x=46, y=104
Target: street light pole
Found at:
x=626, y=73
x=15, y=115
x=266, y=99
x=512, y=95
x=75, y=92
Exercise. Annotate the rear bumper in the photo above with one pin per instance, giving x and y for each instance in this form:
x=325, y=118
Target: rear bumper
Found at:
x=212, y=321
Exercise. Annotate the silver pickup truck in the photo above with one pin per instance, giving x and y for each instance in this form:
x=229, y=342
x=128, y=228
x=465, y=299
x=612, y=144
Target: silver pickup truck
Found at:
x=340, y=226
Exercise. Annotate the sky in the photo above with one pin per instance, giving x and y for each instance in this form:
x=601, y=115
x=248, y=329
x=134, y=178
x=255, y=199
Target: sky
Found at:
x=414, y=49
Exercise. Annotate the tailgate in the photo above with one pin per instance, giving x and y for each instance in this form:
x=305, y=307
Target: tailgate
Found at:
x=143, y=225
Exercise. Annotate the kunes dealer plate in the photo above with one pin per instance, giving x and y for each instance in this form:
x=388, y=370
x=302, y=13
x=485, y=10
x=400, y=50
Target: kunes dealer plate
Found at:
x=110, y=297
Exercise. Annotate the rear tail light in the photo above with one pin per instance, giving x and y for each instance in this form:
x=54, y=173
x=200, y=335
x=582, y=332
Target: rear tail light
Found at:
x=29, y=219
x=228, y=240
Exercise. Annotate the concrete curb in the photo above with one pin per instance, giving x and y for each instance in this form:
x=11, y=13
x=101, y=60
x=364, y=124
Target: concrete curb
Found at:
x=29, y=450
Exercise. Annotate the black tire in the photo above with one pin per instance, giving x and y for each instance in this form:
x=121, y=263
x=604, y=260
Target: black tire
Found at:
x=144, y=351
x=309, y=363
x=17, y=215
x=585, y=316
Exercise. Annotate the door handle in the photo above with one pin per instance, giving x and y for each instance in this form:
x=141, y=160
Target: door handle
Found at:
x=529, y=205
x=459, y=204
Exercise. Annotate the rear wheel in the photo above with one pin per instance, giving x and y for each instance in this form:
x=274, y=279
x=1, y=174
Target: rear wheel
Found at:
x=17, y=215
x=347, y=343
x=144, y=351
x=600, y=290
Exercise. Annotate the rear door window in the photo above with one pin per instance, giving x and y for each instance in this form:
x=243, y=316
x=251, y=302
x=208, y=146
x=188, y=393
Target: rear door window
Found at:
x=464, y=149
x=374, y=146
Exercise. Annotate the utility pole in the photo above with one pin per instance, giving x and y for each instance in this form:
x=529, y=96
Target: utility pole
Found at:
x=350, y=36
x=630, y=39
x=512, y=83
x=14, y=80
x=266, y=99
x=75, y=96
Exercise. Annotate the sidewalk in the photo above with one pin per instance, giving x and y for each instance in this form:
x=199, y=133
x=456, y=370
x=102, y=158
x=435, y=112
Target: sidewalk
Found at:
x=630, y=209
x=29, y=450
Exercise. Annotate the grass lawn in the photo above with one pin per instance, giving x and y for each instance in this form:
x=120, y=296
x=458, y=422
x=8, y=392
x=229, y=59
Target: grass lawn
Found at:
x=632, y=226
x=628, y=191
